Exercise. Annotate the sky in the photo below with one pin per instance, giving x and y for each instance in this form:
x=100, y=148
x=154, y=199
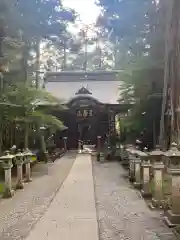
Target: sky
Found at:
x=86, y=8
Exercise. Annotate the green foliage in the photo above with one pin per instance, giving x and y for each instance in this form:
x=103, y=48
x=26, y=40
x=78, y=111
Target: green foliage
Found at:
x=40, y=18
x=137, y=29
x=29, y=23
x=24, y=105
x=144, y=89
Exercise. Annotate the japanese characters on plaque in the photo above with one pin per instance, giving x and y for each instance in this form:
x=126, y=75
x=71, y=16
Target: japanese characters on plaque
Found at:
x=85, y=113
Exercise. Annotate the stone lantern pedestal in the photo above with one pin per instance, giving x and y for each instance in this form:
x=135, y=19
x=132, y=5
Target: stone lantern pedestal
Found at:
x=27, y=162
x=172, y=217
x=157, y=184
x=99, y=144
x=99, y=154
x=132, y=158
x=65, y=143
x=137, y=167
x=79, y=147
x=19, y=162
x=157, y=171
x=126, y=155
x=7, y=165
x=121, y=152
x=145, y=171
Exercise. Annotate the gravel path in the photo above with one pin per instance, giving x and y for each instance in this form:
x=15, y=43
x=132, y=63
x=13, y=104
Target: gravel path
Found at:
x=19, y=214
x=122, y=214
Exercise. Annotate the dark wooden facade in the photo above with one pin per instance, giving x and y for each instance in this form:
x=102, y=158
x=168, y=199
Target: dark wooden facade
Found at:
x=86, y=117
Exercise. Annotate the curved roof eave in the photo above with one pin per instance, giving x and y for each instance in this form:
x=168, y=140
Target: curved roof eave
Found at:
x=83, y=96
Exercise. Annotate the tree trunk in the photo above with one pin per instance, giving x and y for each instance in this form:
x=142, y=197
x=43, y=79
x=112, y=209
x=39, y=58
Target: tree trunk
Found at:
x=64, y=57
x=1, y=139
x=43, y=144
x=26, y=135
x=25, y=53
x=38, y=55
x=171, y=91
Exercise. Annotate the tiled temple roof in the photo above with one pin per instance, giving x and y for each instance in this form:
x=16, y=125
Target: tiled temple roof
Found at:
x=104, y=92
x=101, y=85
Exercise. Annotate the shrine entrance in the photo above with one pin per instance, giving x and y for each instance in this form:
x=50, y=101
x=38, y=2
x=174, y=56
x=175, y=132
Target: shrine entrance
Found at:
x=84, y=130
x=86, y=118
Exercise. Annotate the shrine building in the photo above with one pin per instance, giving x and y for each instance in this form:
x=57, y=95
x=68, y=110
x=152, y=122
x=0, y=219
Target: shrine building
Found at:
x=91, y=100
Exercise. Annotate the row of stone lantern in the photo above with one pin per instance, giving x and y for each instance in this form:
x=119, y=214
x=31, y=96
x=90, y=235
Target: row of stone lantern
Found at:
x=20, y=159
x=146, y=169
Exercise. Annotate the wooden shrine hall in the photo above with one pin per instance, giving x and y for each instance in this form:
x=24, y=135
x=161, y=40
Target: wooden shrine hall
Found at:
x=91, y=99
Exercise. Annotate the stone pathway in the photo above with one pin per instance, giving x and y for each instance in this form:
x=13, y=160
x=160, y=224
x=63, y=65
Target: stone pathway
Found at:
x=107, y=208
x=19, y=214
x=72, y=213
x=122, y=214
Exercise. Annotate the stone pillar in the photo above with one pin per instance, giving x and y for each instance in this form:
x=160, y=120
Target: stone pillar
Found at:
x=7, y=165
x=122, y=149
x=157, y=184
x=132, y=155
x=157, y=173
x=145, y=181
x=27, y=162
x=99, y=143
x=19, y=163
x=79, y=146
x=172, y=217
x=99, y=155
x=137, y=167
x=65, y=143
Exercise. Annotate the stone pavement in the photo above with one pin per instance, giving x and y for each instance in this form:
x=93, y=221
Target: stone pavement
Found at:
x=19, y=214
x=122, y=214
x=107, y=208
x=72, y=213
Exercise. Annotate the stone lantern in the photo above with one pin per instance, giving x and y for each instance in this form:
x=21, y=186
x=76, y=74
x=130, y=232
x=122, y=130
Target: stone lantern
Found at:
x=156, y=155
x=27, y=161
x=7, y=165
x=79, y=146
x=173, y=155
x=132, y=156
x=122, y=149
x=137, y=167
x=157, y=171
x=145, y=173
x=99, y=154
x=65, y=143
x=19, y=162
x=99, y=143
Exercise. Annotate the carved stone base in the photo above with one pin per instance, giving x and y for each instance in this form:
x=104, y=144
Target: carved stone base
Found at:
x=146, y=194
x=137, y=185
x=131, y=179
x=156, y=204
x=19, y=185
x=125, y=163
x=8, y=193
x=171, y=219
